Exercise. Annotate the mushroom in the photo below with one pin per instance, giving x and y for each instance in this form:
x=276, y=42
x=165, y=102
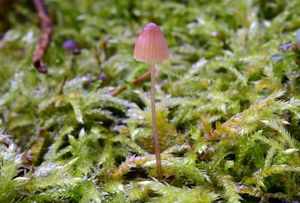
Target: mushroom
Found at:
x=151, y=47
x=71, y=46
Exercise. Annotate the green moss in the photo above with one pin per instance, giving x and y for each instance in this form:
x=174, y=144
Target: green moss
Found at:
x=227, y=101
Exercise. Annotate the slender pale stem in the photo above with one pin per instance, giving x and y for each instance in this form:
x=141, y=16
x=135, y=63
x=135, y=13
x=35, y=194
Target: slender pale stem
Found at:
x=154, y=124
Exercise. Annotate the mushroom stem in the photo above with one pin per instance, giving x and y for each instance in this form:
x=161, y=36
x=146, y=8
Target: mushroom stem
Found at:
x=154, y=125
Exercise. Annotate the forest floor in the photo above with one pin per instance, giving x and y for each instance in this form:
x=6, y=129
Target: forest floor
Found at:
x=228, y=103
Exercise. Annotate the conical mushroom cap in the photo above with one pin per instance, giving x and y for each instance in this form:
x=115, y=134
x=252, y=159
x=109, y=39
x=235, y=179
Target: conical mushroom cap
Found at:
x=151, y=45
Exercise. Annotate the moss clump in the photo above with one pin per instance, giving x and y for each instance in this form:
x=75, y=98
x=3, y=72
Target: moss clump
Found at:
x=228, y=104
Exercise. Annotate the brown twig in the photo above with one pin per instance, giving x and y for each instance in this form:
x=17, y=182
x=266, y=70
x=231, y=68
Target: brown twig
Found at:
x=96, y=53
x=141, y=78
x=118, y=91
x=137, y=81
x=61, y=89
x=46, y=31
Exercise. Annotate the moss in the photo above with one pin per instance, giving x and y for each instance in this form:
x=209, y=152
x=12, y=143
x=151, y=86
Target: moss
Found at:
x=228, y=104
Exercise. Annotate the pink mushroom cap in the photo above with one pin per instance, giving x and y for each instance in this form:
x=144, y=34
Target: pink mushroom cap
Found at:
x=151, y=45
